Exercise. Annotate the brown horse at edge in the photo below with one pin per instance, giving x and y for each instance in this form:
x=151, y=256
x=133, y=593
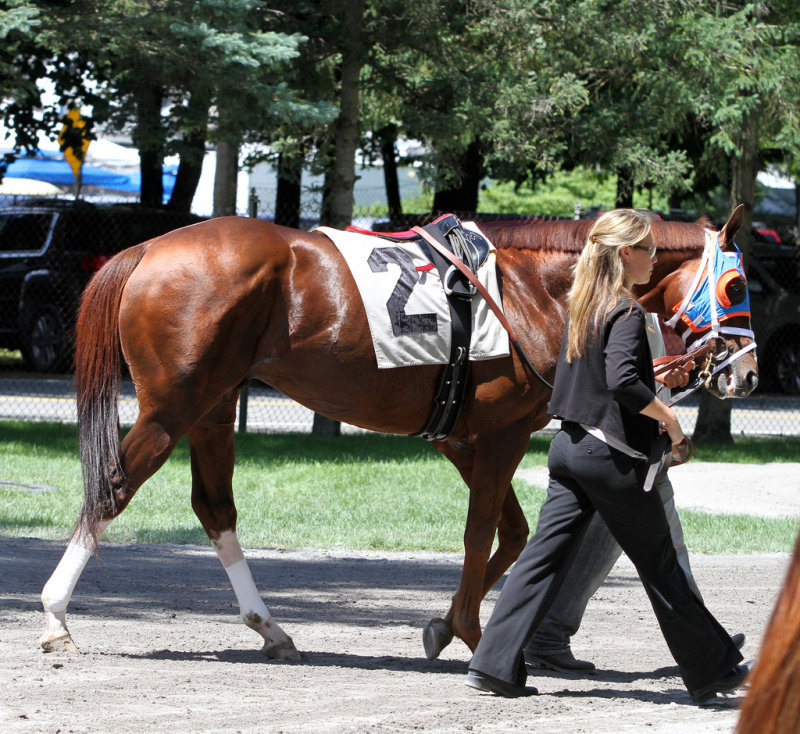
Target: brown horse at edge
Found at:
x=196, y=312
x=772, y=703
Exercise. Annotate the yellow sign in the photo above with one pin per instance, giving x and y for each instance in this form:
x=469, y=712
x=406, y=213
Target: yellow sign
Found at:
x=74, y=139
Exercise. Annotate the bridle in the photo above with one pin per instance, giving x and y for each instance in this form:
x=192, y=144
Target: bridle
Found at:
x=706, y=309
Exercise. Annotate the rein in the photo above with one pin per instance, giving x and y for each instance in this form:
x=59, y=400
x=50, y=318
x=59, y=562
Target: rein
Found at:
x=663, y=364
x=704, y=351
x=487, y=297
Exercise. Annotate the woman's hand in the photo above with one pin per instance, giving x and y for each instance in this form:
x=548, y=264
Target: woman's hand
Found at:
x=682, y=452
x=677, y=376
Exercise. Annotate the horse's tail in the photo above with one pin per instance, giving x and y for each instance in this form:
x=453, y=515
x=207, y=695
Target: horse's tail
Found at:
x=98, y=363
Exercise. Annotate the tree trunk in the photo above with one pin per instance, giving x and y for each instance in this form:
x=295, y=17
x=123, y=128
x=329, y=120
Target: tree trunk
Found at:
x=713, y=420
x=797, y=210
x=624, y=187
x=388, y=138
x=191, y=161
x=225, y=176
x=714, y=416
x=148, y=138
x=744, y=170
x=340, y=178
x=675, y=200
x=462, y=196
x=325, y=427
x=189, y=170
x=287, y=198
x=338, y=211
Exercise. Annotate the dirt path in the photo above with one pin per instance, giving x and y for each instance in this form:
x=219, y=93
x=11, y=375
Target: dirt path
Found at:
x=162, y=650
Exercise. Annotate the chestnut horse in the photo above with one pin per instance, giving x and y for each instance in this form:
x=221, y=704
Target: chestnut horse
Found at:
x=772, y=703
x=198, y=311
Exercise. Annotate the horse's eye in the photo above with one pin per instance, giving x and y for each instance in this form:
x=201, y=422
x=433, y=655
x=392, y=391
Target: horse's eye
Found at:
x=731, y=288
x=736, y=291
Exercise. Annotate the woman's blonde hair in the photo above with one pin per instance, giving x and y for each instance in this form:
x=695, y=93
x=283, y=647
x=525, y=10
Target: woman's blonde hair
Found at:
x=599, y=274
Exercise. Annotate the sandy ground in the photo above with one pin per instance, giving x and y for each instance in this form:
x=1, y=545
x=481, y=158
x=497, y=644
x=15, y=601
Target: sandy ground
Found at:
x=162, y=649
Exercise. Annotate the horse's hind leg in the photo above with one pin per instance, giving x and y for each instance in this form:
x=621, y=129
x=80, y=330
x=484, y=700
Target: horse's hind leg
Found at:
x=512, y=533
x=144, y=450
x=58, y=591
x=211, y=442
x=493, y=507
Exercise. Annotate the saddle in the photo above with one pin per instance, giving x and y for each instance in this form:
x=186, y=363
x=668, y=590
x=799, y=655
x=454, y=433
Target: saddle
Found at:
x=468, y=246
x=472, y=250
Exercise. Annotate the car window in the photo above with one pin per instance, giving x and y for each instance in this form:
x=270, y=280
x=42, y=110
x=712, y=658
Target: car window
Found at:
x=23, y=232
x=108, y=232
x=86, y=232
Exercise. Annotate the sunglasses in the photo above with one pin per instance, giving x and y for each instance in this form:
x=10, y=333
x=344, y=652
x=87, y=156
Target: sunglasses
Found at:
x=649, y=250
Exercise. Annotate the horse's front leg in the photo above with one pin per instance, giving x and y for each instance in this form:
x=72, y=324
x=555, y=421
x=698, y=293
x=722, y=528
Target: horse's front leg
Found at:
x=211, y=444
x=493, y=507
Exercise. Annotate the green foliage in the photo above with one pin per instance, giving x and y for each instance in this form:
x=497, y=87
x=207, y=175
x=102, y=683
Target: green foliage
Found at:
x=221, y=52
x=558, y=194
x=664, y=91
x=19, y=16
x=742, y=60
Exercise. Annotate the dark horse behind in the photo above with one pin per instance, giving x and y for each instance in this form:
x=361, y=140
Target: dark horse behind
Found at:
x=196, y=312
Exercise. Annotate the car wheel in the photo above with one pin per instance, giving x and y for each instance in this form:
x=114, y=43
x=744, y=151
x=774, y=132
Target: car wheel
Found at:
x=787, y=367
x=45, y=344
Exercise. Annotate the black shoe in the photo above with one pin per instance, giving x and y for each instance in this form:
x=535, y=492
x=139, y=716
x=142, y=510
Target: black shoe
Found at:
x=730, y=681
x=563, y=662
x=738, y=639
x=490, y=684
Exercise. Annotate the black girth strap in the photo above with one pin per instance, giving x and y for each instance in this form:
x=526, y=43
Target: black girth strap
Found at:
x=472, y=278
x=453, y=382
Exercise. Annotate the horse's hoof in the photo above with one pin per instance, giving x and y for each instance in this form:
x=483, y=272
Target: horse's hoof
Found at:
x=436, y=636
x=62, y=643
x=281, y=651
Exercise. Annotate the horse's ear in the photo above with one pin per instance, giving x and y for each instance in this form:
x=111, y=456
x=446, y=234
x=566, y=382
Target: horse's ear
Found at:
x=732, y=226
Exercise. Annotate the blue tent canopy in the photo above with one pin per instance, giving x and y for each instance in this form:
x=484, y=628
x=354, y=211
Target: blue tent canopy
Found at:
x=57, y=171
x=134, y=181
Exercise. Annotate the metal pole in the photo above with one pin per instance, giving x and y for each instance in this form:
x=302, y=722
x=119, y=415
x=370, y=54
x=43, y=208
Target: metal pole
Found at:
x=252, y=204
x=243, y=407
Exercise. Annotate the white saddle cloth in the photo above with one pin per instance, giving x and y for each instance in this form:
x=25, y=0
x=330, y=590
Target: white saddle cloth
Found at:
x=406, y=306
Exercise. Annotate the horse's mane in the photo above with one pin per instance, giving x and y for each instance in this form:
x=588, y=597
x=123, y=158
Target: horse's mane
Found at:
x=567, y=235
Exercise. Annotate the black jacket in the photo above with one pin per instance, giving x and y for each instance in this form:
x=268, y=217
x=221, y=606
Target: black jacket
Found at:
x=611, y=381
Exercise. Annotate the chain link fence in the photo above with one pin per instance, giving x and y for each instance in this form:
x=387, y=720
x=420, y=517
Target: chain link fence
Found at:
x=49, y=249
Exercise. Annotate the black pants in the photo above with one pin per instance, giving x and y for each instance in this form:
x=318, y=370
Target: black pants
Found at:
x=586, y=475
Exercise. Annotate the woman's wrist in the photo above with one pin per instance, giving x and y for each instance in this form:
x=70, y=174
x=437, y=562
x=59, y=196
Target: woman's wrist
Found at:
x=675, y=431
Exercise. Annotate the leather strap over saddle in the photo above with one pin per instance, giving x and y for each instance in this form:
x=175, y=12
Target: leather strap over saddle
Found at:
x=472, y=250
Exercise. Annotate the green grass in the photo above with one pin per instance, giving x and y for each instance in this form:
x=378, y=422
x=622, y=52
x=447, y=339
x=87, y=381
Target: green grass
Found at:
x=354, y=492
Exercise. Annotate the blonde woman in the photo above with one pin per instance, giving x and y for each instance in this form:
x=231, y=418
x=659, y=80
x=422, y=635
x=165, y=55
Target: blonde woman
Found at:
x=604, y=394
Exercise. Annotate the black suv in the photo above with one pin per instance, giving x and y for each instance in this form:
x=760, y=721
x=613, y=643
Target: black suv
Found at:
x=48, y=252
x=773, y=275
